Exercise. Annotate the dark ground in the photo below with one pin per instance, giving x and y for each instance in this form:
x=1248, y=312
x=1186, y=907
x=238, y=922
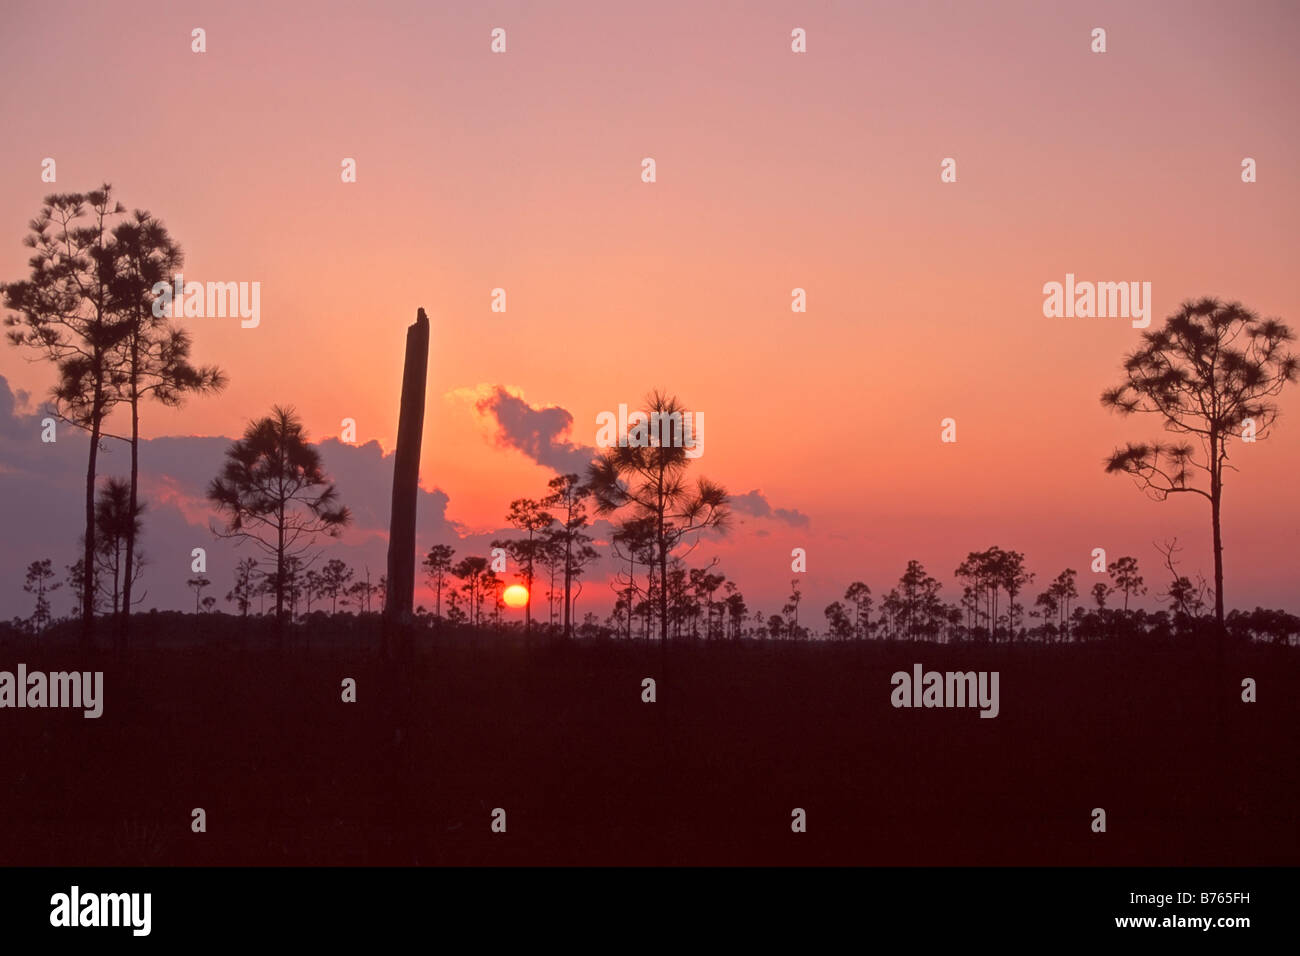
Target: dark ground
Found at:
x=588, y=774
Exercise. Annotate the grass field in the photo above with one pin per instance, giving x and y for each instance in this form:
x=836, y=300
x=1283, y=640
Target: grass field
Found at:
x=558, y=736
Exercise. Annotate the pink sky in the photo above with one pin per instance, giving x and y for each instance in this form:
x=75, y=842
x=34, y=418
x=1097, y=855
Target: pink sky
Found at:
x=775, y=170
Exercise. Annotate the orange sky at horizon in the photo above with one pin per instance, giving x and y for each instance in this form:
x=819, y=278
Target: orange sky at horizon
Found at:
x=775, y=171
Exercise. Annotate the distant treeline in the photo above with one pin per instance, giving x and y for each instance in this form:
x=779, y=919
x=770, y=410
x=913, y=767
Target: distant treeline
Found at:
x=703, y=605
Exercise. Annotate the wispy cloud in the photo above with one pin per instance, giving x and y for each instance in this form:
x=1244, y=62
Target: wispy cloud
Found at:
x=755, y=503
x=540, y=432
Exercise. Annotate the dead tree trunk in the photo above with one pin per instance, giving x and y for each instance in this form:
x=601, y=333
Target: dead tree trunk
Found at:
x=399, y=601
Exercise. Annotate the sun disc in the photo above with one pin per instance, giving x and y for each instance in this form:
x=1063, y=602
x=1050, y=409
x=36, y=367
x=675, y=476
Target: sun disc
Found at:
x=515, y=596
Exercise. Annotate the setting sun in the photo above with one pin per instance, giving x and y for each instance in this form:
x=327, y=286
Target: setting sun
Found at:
x=515, y=596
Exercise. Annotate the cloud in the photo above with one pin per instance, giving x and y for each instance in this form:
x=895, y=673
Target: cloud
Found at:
x=756, y=504
x=42, y=490
x=13, y=423
x=540, y=432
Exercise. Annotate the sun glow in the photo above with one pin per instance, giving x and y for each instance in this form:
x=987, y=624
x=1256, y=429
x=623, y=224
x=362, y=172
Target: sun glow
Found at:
x=515, y=596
